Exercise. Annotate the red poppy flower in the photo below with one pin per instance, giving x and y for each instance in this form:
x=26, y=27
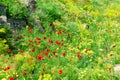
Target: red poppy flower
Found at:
x=7, y=68
x=57, y=42
x=33, y=50
x=79, y=56
x=44, y=37
x=54, y=53
x=63, y=54
x=59, y=32
x=30, y=28
x=20, y=36
x=59, y=71
x=11, y=78
x=30, y=40
x=40, y=57
x=45, y=52
x=9, y=50
x=20, y=51
x=50, y=41
x=43, y=73
x=38, y=43
x=38, y=38
x=24, y=73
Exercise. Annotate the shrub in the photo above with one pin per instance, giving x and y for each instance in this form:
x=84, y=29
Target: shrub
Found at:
x=6, y=37
x=3, y=46
x=15, y=9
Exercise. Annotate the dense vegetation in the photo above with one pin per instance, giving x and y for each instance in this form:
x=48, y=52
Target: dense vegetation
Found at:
x=81, y=41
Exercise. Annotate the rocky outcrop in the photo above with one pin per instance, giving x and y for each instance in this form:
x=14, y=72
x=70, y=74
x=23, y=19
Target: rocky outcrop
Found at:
x=18, y=23
x=3, y=20
x=14, y=23
x=32, y=5
x=2, y=9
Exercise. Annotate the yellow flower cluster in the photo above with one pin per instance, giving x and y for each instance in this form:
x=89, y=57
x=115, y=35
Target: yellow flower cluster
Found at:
x=2, y=30
x=45, y=77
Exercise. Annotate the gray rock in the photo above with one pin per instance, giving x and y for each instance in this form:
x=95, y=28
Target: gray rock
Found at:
x=37, y=23
x=3, y=20
x=32, y=5
x=2, y=9
x=16, y=23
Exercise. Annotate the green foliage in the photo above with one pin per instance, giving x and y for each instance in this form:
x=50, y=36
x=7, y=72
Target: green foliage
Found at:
x=83, y=46
x=3, y=46
x=3, y=41
x=48, y=12
x=15, y=9
x=6, y=37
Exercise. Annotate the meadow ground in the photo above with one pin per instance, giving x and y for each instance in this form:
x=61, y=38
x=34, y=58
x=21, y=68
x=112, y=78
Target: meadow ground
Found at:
x=81, y=42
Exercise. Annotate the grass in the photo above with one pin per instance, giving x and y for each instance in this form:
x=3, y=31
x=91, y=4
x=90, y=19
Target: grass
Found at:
x=83, y=46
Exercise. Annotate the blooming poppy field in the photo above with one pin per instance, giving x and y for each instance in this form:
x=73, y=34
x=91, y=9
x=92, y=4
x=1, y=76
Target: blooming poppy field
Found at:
x=80, y=41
